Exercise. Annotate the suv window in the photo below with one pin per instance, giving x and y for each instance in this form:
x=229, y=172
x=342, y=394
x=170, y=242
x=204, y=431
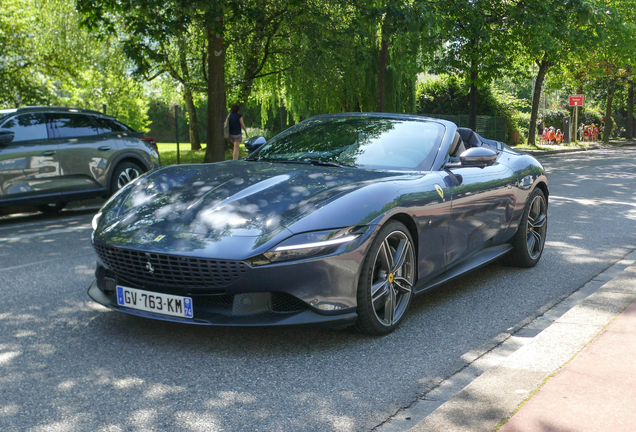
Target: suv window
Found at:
x=26, y=127
x=72, y=125
x=108, y=125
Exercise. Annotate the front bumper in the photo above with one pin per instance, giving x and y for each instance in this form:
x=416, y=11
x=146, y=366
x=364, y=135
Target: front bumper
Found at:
x=213, y=316
x=320, y=292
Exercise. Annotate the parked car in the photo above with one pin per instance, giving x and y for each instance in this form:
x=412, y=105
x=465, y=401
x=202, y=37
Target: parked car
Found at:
x=337, y=221
x=52, y=155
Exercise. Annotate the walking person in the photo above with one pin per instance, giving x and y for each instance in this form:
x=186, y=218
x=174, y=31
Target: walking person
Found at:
x=235, y=121
x=540, y=127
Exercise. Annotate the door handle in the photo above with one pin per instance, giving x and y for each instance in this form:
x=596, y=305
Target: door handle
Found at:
x=103, y=148
x=48, y=153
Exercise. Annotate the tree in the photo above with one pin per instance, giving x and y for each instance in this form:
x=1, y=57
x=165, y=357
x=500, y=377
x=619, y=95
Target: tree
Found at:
x=479, y=43
x=610, y=62
x=405, y=21
x=554, y=32
x=48, y=59
x=150, y=27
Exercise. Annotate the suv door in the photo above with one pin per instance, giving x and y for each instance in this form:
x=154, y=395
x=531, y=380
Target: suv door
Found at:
x=29, y=164
x=85, y=152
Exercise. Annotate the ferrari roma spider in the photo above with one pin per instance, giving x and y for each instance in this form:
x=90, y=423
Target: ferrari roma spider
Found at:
x=337, y=221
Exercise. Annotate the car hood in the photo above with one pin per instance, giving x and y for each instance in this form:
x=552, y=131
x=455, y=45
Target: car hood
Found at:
x=235, y=198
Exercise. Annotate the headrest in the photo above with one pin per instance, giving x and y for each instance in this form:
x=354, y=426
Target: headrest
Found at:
x=471, y=139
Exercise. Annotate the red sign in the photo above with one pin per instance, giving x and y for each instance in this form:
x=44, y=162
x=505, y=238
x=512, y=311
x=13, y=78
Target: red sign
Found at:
x=577, y=100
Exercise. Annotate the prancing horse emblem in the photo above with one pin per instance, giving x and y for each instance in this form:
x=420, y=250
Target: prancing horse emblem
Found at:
x=440, y=191
x=149, y=266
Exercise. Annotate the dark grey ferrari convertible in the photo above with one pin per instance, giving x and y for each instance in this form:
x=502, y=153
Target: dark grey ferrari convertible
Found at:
x=337, y=221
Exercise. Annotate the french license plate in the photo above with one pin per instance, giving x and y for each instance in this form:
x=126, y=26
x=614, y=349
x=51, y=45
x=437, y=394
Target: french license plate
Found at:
x=165, y=304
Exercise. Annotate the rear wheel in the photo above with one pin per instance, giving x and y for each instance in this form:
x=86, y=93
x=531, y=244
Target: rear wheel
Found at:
x=386, y=281
x=124, y=173
x=529, y=240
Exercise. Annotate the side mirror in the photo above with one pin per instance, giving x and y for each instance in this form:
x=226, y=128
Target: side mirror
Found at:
x=478, y=157
x=254, y=143
x=6, y=137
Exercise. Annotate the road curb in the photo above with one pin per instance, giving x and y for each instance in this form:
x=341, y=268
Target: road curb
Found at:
x=496, y=382
x=495, y=395
x=559, y=151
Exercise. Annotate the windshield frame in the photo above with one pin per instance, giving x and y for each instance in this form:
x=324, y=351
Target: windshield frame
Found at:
x=306, y=126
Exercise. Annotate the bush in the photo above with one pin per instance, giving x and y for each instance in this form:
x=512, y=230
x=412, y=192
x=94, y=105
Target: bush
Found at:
x=448, y=95
x=555, y=118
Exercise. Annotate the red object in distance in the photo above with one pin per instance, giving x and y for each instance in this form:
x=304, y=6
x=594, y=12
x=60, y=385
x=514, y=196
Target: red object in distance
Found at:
x=577, y=100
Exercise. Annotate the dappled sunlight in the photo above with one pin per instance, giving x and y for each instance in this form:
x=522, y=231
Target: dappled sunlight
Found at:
x=8, y=356
x=573, y=254
x=197, y=422
x=125, y=376
x=227, y=398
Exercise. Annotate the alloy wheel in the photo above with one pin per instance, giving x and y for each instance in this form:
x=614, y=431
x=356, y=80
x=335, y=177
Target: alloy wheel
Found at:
x=126, y=176
x=536, y=227
x=393, y=277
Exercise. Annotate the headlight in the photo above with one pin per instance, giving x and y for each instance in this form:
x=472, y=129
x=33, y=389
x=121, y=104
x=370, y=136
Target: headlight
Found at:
x=95, y=222
x=308, y=245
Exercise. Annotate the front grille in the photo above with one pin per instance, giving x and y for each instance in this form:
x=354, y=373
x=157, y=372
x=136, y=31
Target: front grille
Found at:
x=170, y=270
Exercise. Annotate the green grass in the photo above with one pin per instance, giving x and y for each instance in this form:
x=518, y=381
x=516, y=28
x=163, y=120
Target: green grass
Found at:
x=168, y=153
x=527, y=146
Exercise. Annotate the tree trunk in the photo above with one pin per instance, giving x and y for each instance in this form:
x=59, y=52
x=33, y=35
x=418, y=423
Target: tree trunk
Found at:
x=193, y=125
x=630, y=109
x=384, y=51
x=215, y=150
x=536, y=99
x=608, y=117
x=193, y=122
x=472, y=101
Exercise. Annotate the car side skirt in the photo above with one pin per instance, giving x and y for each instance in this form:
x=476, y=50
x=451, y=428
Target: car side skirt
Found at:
x=480, y=259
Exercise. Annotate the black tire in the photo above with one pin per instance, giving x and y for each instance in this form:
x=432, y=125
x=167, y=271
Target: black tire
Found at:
x=529, y=240
x=386, y=281
x=124, y=173
x=52, y=208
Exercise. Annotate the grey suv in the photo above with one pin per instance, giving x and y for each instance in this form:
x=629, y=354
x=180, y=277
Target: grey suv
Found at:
x=51, y=155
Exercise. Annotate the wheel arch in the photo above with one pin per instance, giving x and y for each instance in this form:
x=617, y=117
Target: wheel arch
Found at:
x=544, y=188
x=129, y=157
x=410, y=224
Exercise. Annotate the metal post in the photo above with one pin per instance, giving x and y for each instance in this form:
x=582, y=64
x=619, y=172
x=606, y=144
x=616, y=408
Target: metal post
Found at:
x=576, y=124
x=176, y=126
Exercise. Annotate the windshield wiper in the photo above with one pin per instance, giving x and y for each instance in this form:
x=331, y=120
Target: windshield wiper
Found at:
x=326, y=163
x=315, y=162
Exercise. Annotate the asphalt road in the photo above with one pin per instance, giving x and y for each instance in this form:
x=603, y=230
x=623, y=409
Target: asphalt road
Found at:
x=67, y=364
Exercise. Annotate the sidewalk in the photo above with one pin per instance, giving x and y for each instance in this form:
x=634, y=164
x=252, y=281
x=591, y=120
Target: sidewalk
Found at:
x=596, y=391
x=571, y=369
x=556, y=149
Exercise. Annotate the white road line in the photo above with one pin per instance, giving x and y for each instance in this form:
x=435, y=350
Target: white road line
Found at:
x=46, y=233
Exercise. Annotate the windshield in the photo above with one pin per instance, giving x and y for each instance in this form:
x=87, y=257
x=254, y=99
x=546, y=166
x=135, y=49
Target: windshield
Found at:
x=368, y=142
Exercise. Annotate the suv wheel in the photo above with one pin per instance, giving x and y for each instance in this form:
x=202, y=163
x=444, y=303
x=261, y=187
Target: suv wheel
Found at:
x=124, y=173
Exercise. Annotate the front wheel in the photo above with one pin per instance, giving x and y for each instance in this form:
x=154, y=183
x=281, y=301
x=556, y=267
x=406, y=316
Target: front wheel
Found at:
x=529, y=240
x=386, y=281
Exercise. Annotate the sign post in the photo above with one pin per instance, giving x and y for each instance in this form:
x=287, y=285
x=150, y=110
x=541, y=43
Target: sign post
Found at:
x=576, y=101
